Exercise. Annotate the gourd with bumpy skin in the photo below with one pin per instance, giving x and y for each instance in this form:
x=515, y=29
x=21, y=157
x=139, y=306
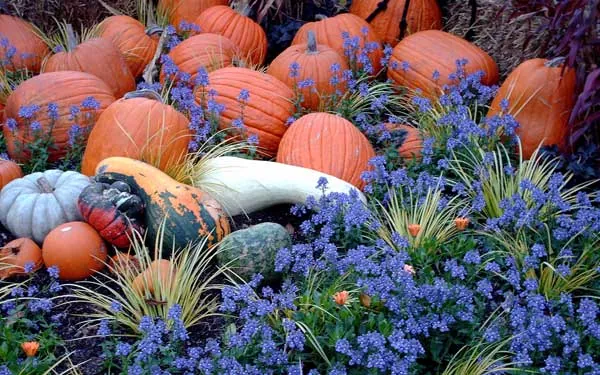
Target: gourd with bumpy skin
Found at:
x=189, y=213
x=253, y=250
x=245, y=186
x=34, y=205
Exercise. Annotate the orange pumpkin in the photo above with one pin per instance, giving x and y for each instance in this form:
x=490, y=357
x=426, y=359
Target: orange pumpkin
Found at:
x=131, y=39
x=432, y=50
x=97, y=56
x=235, y=24
x=315, y=61
x=65, y=89
x=76, y=249
x=18, y=253
x=541, y=99
x=421, y=15
x=412, y=145
x=327, y=143
x=9, y=170
x=30, y=48
x=139, y=126
x=329, y=32
x=208, y=51
x=268, y=108
x=186, y=10
x=160, y=271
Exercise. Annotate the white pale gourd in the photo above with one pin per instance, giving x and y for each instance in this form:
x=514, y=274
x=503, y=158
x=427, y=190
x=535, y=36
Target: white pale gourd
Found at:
x=34, y=205
x=245, y=186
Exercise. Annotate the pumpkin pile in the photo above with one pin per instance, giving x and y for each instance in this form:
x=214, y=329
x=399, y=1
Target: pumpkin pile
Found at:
x=137, y=98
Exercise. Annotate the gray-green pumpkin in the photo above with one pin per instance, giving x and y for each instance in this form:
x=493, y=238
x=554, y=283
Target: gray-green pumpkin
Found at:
x=253, y=250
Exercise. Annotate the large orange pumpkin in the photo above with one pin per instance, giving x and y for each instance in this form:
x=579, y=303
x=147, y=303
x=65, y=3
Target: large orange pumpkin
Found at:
x=15, y=255
x=329, y=144
x=185, y=10
x=421, y=15
x=329, y=32
x=76, y=249
x=239, y=28
x=314, y=61
x=131, y=39
x=138, y=126
x=541, y=99
x=65, y=89
x=97, y=56
x=30, y=49
x=429, y=51
x=267, y=110
x=9, y=170
x=208, y=51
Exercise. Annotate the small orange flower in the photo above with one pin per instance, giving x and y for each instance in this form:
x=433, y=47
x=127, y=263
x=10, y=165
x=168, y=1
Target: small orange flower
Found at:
x=410, y=269
x=461, y=223
x=414, y=229
x=365, y=300
x=30, y=348
x=341, y=297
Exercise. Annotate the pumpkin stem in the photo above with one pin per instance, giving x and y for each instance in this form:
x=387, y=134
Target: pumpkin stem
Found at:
x=320, y=17
x=153, y=30
x=312, y=43
x=71, y=37
x=555, y=62
x=144, y=93
x=44, y=184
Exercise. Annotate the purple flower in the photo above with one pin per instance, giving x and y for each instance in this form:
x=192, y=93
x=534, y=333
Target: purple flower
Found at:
x=28, y=111
x=53, y=111
x=244, y=95
x=294, y=70
x=103, y=328
x=90, y=103
x=123, y=349
x=11, y=123
x=53, y=271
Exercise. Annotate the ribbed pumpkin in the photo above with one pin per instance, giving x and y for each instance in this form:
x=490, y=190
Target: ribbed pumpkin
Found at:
x=207, y=50
x=131, y=39
x=188, y=212
x=76, y=249
x=186, y=10
x=541, y=99
x=433, y=50
x=412, y=145
x=329, y=32
x=160, y=273
x=268, y=108
x=327, y=143
x=9, y=170
x=97, y=56
x=315, y=61
x=65, y=89
x=30, y=48
x=16, y=254
x=421, y=15
x=238, y=27
x=141, y=127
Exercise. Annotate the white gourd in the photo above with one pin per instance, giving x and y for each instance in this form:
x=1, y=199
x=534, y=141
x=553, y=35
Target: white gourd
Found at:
x=33, y=205
x=245, y=186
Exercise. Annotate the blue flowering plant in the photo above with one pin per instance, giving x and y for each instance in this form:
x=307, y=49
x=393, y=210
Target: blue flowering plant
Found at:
x=27, y=312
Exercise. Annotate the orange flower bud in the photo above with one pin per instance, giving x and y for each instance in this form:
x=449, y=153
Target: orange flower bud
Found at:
x=414, y=229
x=30, y=348
x=461, y=223
x=365, y=300
x=341, y=297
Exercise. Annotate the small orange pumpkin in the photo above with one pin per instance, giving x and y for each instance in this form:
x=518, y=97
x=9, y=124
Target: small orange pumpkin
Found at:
x=97, y=56
x=329, y=32
x=421, y=15
x=16, y=254
x=207, y=50
x=315, y=61
x=30, y=48
x=413, y=141
x=131, y=39
x=9, y=170
x=76, y=249
x=160, y=271
x=327, y=143
x=541, y=99
x=238, y=27
x=185, y=10
x=429, y=51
